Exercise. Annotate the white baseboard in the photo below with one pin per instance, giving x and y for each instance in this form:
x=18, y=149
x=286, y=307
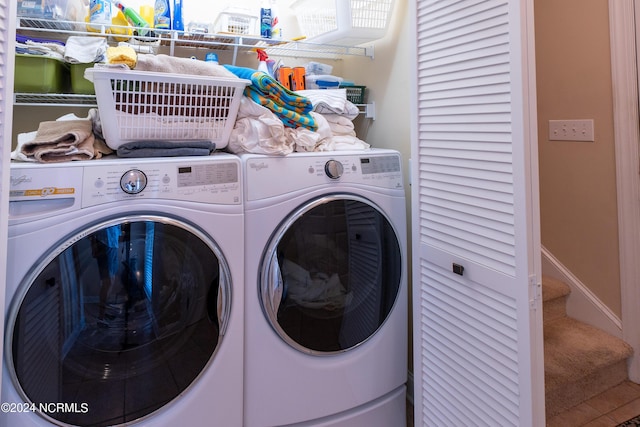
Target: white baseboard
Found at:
x=582, y=304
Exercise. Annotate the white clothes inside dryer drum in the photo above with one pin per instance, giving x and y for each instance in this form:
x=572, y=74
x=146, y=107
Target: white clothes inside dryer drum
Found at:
x=323, y=290
x=123, y=320
x=333, y=275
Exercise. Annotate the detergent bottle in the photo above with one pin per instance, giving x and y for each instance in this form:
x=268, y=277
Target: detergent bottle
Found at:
x=162, y=15
x=266, y=19
x=177, y=24
x=99, y=14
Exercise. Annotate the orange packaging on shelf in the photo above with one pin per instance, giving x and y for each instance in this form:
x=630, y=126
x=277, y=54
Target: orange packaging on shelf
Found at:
x=297, y=79
x=284, y=76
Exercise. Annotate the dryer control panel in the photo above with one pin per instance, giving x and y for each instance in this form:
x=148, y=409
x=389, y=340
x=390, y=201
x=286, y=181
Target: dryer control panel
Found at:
x=269, y=176
x=214, y=182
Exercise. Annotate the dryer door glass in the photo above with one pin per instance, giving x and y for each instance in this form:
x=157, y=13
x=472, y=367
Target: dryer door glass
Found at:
x=331, y=274
x=119, y=320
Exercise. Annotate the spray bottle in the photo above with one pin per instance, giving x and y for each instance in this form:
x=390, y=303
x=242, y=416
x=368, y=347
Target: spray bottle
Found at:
x=262, y=57
x=134, y=18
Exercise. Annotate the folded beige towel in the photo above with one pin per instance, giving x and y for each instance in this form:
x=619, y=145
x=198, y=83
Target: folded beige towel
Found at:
x=64, y=140
x=170, y=64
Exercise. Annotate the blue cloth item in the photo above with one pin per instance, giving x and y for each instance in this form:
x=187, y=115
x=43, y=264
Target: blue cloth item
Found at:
x=25, y=39
x=242, y=72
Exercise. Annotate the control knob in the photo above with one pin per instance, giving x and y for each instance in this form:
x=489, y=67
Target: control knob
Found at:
x=133, y=181
x=333, y=169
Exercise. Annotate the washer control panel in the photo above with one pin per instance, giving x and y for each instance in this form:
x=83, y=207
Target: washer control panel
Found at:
x=216, y=182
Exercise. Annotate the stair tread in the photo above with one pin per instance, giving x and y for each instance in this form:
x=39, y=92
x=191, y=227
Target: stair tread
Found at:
x=553, y=288
x=574, y=350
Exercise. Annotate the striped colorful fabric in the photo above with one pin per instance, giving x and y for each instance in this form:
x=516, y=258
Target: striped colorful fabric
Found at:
x=290, y=117
x=271, y=88
x=292, y=109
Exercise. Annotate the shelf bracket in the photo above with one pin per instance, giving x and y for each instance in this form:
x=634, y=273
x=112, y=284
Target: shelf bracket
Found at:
x=370, y=110
x=368, y=51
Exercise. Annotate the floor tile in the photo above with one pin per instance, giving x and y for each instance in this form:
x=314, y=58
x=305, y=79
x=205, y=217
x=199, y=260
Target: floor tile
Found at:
x=574, y=417
x=603, y=421
x=615, y=397
x=626, y=412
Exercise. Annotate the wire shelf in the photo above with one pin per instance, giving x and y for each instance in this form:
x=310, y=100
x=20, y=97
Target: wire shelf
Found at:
x=55, y=99
x=214, y=41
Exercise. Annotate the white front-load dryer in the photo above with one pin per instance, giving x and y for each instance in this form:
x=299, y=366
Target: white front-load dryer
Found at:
x=124, y=293
x=326, y=289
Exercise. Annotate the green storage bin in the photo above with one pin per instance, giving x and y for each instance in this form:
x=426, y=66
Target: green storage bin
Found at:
x=40, y=74
x=79, y=84
x=355, y=94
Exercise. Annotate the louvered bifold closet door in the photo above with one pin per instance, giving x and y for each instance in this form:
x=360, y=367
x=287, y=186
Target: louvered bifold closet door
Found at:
x=7, y=59
x=477, y=325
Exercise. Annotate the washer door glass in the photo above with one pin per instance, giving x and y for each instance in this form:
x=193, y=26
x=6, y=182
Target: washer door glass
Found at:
x=119, y=320
x=331, y=274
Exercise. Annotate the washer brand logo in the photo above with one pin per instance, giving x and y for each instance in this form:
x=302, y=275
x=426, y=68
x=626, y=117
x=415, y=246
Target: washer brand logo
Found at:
x=258, y=166
x=17, y=180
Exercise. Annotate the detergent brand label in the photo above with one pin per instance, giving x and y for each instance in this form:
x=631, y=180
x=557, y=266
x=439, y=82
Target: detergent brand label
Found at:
x=43, y=192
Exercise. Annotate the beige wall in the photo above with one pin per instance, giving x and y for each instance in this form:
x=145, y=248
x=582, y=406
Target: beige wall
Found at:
x=577, y=179
x=387, y=79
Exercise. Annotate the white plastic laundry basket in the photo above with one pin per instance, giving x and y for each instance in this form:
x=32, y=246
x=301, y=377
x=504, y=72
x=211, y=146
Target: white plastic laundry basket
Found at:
x=149, y=106
x=343, y=22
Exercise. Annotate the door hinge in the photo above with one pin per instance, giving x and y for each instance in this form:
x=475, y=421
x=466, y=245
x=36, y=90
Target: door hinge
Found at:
x=535, y=292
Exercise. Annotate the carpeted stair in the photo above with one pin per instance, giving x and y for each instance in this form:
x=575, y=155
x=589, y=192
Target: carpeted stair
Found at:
x=580, y=361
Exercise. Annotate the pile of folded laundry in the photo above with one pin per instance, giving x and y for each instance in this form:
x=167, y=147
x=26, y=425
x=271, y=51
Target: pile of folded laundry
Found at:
x=68, y=138
x=274, y=120
x=271, y=118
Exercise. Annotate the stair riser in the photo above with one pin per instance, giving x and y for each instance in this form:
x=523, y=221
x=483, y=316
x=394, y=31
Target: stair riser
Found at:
x=554, y=309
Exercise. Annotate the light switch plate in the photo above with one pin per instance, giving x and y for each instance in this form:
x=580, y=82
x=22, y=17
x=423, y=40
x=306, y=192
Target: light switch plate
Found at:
x=571, y=130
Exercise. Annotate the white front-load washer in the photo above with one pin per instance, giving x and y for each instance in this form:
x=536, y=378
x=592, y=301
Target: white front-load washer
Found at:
x=124, y=293
x=326, y=289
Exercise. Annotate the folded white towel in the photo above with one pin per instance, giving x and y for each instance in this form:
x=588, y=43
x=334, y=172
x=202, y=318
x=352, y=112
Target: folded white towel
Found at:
x=338, y=119
x=331, y=101
x=85, y=49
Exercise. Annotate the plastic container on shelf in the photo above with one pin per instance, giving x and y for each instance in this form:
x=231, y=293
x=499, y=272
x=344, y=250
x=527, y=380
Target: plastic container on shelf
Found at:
x=322, y=82
x=355, y=93
x=60, y=14
x=343, y=22
x=236, y=21
x=79, y=84
x=40, y=74
x=149, y=106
